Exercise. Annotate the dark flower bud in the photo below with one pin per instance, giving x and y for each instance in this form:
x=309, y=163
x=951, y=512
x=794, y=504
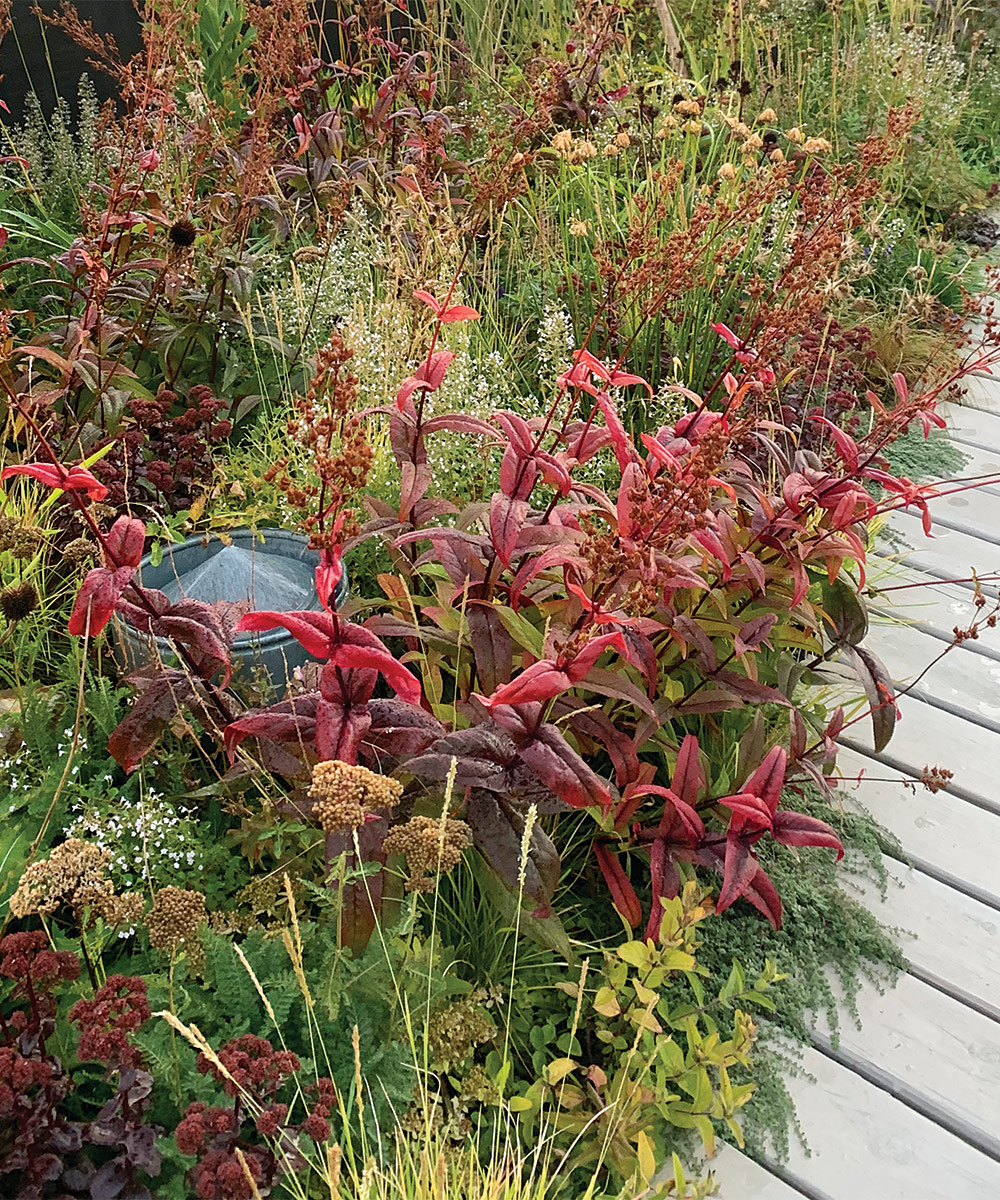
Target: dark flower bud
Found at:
x=182, y=233
x=18, y=601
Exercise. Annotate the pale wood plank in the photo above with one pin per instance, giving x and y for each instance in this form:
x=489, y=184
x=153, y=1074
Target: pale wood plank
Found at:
x=934, y=607
x=974, y=511
x=951, y=940
x=982, y=392
x=961, y=681
x=740, y=1178
x=929, y=1050
x=974, y=426
x=941, y=832
x=868, y=1145
x=928, y=736
x=950, y=554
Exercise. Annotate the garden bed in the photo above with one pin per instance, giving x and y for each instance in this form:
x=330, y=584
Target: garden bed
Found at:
x=598, y=377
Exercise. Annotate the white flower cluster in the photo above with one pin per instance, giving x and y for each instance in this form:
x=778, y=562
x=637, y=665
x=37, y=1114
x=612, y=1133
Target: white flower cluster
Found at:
x=150, y=839
x=556, y=343
x=910, y=65
x=17, y=775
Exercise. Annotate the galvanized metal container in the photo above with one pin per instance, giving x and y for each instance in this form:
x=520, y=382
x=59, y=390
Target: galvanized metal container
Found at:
x=271, y=569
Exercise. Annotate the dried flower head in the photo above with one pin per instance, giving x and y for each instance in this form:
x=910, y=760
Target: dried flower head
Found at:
x=455, y=1031
x=182, y=234
x=767, y=117
x=816, y=145
x=174, y=919
x=429, y=845
x=795, y=135
x=74, y=874
x=80, y=552
x=727, y=172
x=341, y=793
x=19, y=600
x=562, y=143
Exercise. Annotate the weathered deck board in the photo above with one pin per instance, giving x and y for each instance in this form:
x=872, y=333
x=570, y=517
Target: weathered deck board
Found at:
x=928, y=736
x=950, y=554
x=930, y=1051
x=952, y=941
x=867, y=1145
x=974, y=426
x=943, y=834
x=740, y=1178
x=961, y=681
x=907, y=1105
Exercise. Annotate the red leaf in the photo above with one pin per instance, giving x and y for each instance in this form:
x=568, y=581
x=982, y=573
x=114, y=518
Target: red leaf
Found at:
x=315, y=632
x=581, y=664
x=543, y=680
x=689, y=778
x=96, y=599
x=429, y=300
x=405, y=685
x=846, y=445
x=747, y=810
x=125, y=541
x=797, y=829
x=622, y=891
x=507, y=516
x=68, y=479
x=740, y=869
x=763, y=895
x=287, y=721
x=769, y=778
x=458, y=312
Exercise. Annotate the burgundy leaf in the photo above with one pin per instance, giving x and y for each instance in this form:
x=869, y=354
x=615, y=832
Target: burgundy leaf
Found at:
x=562, y=770
x=763, y=895
x=754, y=633
x=797, y=829
x=879, y=689
x=622, y=892
x=491, y=643
x=339, y=730
x=739, y=871
x=97, y=598
x=287, y=721
x=749, y=689
x=498, y=832
x=689, y=630
x=506, y=518
x=689, y=777
x=619, y=687
x=163, y=697
x=481, y=755
x=399, y=730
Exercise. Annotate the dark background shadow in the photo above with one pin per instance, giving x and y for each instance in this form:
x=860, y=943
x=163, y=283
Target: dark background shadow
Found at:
x=33, y=56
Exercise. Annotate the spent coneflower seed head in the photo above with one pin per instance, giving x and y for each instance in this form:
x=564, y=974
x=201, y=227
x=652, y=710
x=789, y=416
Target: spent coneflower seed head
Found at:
x=19, y=600
x=182, y=233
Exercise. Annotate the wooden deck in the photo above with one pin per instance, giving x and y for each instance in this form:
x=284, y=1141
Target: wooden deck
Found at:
x=908, y=1106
